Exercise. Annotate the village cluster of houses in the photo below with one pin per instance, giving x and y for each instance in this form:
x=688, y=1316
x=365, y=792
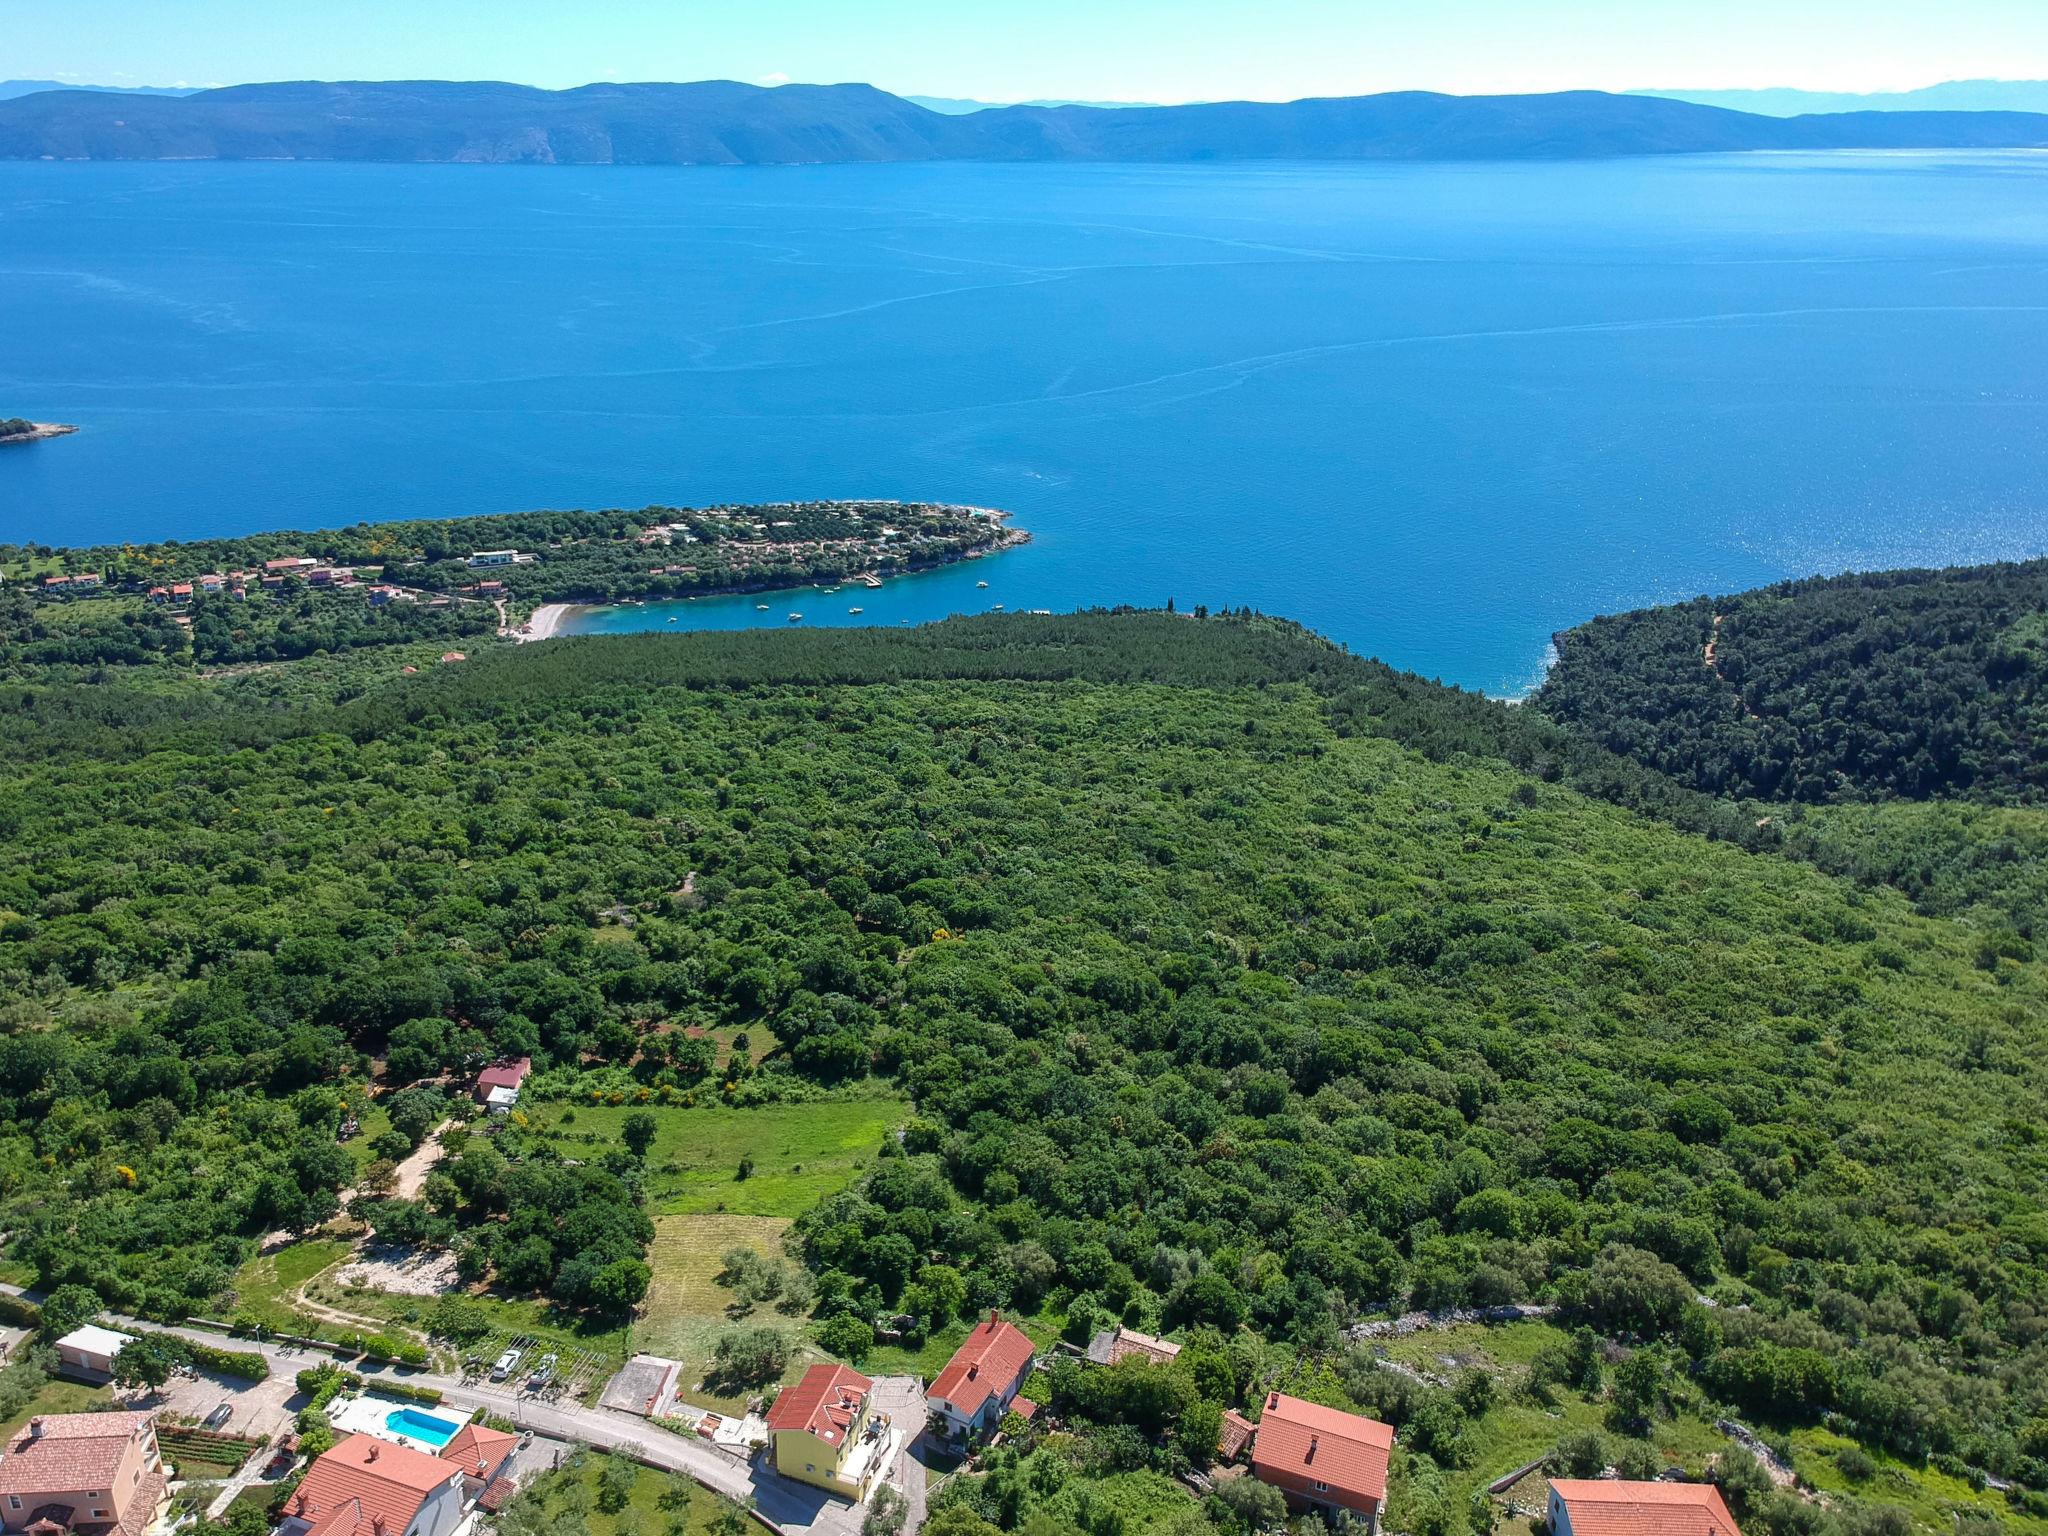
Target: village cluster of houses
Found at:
x=103, y=1474
x=825, y=1432
x=272, y=576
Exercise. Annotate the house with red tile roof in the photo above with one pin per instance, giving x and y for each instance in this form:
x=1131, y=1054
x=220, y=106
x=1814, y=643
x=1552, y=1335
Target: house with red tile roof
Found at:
x=369, y=1487
x=977, y=1385
x=481, y=1452
x=1604, y=1507
x=824, y=1433
x=497, y=1086
x=1323, y=1458
x=97, y=1474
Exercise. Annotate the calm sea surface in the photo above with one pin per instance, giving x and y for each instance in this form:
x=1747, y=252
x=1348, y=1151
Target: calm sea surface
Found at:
x=1436, y=412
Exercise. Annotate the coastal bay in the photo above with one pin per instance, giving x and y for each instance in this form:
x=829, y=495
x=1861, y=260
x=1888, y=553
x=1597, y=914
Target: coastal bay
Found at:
x=1437, y=412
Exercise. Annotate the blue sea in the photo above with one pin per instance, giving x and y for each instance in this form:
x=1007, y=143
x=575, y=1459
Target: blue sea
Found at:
x=1437, y=412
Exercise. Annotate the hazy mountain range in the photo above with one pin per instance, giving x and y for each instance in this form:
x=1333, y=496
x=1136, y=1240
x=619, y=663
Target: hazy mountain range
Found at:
x=725, y=123
x=959, y=106
x=1950, y=96
x=9, y=89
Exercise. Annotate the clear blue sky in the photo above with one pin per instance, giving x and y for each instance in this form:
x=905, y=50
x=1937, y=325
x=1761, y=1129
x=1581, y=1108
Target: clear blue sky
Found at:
x=1152, y=50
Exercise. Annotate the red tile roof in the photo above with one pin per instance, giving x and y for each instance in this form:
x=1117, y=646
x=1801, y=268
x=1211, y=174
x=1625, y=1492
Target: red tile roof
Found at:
x=991, y=1360
x=825, y=1402
x=67, y=1453
x=502, y=1074
x=1023, y=1407
x=1237, y=1433
x=479, y=1450
x=1607, y=1508
x=363, y=1480
x=1345, y=1451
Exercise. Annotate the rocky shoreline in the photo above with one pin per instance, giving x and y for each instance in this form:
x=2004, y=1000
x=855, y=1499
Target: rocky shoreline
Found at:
x=38, y=432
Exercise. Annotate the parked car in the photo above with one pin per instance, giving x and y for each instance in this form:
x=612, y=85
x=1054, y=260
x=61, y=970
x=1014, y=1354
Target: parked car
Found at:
x=543, y=1373
x=220, y=1415
x=506, y=1364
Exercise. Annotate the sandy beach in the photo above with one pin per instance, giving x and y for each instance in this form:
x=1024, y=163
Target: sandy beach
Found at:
x=545, y=621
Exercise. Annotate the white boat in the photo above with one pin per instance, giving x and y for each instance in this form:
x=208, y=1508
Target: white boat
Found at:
x=671, y=618
x=998, y=608
x=760, y=607
x=856, y=610
x=981, y=584
x=795, y=618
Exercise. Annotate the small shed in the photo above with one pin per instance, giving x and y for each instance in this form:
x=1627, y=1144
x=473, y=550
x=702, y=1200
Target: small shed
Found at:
x=91, y=1349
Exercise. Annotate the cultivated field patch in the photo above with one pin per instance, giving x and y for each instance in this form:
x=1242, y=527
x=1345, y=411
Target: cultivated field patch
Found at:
x=687, y=1309
x=792, y=1155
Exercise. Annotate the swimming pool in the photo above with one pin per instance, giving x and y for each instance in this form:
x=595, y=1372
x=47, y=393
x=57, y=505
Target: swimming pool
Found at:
x=415, y=1425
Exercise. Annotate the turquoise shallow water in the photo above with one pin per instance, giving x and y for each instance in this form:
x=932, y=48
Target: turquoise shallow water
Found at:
x=1435, y=411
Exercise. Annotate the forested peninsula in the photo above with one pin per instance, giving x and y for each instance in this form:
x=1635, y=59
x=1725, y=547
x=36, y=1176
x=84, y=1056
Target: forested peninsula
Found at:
x=1891, y=726
x=271, y=597
x=1183, y=973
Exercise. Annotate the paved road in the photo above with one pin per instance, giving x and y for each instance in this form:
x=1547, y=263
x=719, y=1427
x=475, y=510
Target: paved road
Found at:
x=789, y=1506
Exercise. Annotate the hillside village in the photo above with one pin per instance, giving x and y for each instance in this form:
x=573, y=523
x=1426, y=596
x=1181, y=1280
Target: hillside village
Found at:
x=248, y=1428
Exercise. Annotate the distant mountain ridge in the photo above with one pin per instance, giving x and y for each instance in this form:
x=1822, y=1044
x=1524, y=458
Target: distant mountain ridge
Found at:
x=9, y=89
x=1949, y=96
x=958, y=106
x=722, y=122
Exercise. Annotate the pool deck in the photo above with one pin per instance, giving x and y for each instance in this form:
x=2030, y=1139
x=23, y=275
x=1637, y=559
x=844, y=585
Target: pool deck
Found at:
x=367, y=1415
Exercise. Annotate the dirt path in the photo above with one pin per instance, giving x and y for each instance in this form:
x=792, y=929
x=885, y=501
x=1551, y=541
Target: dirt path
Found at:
x=410, y=1176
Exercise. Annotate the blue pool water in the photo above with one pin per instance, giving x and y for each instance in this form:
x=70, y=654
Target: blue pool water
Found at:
x=424, y=1427
x=1435, y=411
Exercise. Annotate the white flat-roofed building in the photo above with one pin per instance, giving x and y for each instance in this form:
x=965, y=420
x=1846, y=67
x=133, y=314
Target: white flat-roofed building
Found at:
x=92, y=1348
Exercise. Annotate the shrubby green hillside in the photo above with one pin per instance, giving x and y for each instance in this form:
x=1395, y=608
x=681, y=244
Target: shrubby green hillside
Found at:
x=1238, y=985
x=1909, y=684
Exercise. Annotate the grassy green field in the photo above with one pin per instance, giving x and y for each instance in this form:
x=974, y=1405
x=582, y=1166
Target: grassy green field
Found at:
x=264, y=1285
x=687, y=1309
x=658, y=1501
x=1929, y=1495
x=801, y=1152
x=511, y=1316
x=57, y=1397
x=373, y=1122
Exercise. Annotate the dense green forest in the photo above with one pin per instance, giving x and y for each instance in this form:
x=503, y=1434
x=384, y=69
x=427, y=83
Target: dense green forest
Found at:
x=38, y=639
x=1242, y=988
x=1898, y=684
x=1884, y=727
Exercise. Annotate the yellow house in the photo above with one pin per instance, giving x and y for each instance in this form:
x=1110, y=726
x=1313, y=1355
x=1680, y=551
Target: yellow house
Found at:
x=825, y=1435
